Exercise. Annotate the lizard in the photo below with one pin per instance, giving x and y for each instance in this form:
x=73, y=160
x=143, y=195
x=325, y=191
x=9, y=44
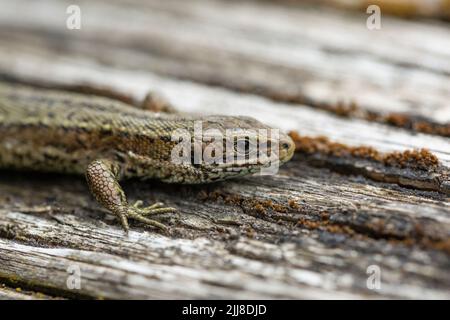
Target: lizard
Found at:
x=107, y=140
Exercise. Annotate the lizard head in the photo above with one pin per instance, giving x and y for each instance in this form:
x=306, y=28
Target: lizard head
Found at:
x=222, y=147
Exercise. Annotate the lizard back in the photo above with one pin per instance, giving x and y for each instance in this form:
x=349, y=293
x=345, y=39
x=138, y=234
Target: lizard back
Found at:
x=49, y=130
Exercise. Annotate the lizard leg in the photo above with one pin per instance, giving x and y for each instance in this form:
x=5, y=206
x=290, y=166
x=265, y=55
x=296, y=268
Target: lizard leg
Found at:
x=156, y=103
x=102, y=177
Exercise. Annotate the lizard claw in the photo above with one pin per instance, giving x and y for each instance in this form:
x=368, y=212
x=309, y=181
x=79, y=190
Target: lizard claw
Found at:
x=137, y=212
x=156, y=208
x=138, y=204
x=133, y=214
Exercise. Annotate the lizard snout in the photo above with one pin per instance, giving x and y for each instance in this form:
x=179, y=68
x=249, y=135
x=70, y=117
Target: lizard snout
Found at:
x=286, y=148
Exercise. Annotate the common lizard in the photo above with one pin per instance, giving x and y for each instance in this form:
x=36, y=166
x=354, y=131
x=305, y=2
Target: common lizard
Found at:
x=108, y=140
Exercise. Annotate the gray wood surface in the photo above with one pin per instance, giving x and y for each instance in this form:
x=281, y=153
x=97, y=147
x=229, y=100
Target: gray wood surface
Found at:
x=312, y=230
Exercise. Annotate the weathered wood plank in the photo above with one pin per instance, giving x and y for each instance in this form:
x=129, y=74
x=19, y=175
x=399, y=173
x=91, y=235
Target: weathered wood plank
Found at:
x=291, y=223
x=110, y=276
x=162, y=267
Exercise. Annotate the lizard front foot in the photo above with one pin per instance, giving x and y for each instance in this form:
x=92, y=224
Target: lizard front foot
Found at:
x=102, y=179
x=139, y=213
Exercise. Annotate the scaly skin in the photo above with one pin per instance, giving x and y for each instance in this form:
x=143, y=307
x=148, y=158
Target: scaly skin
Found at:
x=107, y=140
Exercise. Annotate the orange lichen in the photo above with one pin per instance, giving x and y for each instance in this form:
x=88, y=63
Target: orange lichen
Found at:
x=418, y=125
x=397, y=119
x=414, y=159
x=408, y=8
x=325, y=224
x=343, y=109
x=325, y=216
x=442, y=245
x=293, y=204
x=422, y=159
x=258, y=206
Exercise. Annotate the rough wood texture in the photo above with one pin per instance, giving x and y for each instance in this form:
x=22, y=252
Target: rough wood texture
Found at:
x=309, y=232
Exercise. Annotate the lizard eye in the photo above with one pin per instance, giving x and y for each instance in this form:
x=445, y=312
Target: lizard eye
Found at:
x=242, y=146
